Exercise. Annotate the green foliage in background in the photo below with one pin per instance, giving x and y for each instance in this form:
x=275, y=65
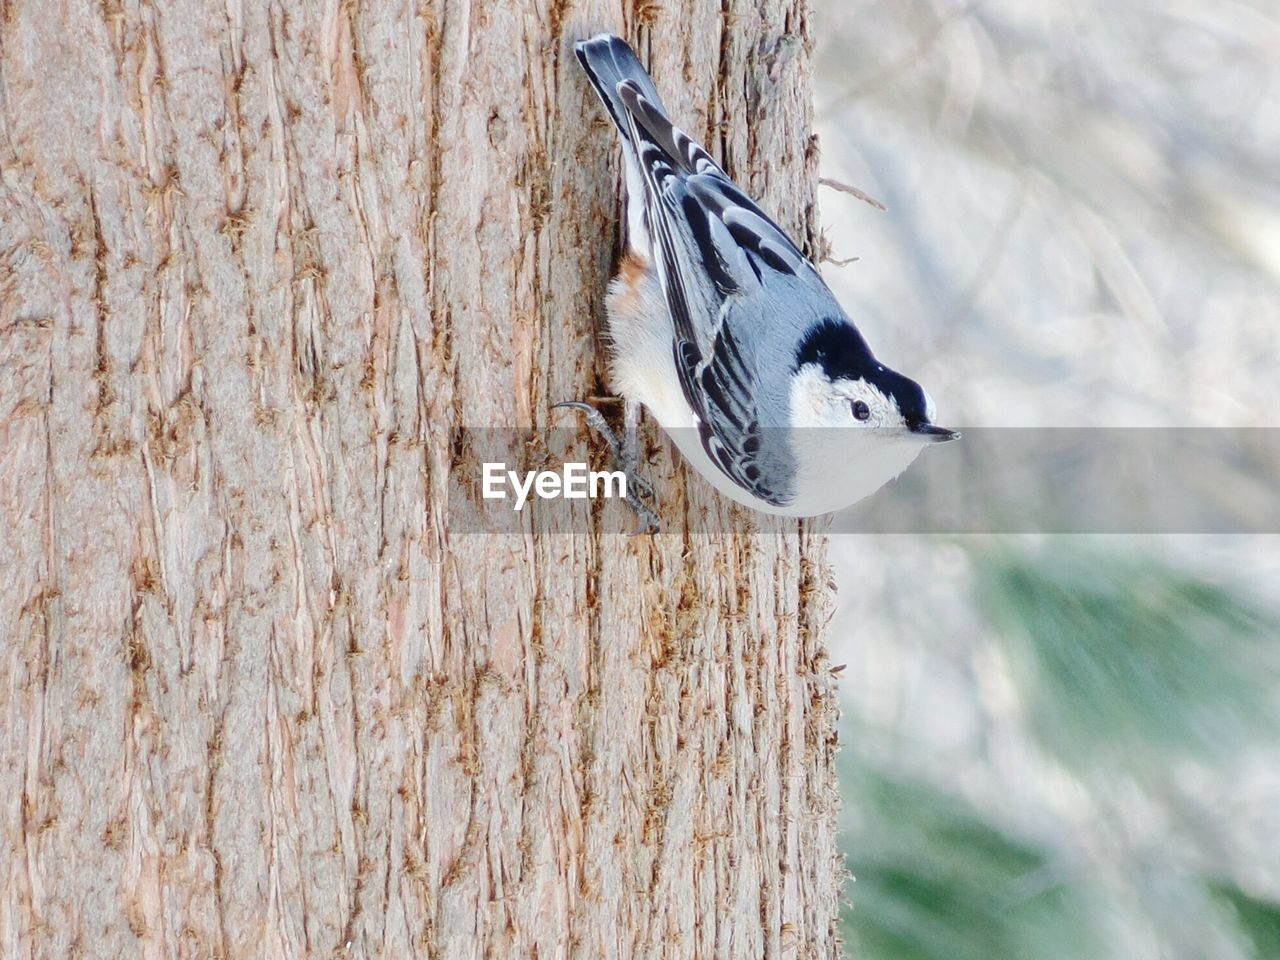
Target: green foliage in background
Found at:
x=1084, y=204
x=1124, y=668
x=1258, y=920
x=935, y=881
x=1125, y=658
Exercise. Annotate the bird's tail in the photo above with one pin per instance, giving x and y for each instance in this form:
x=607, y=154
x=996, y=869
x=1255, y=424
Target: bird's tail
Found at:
x=608, y=61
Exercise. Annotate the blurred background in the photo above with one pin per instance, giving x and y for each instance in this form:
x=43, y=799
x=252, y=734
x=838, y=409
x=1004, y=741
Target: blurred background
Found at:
x=1060, y=746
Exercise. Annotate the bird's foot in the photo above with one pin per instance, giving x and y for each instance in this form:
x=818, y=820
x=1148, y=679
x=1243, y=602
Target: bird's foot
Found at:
x=625, y=458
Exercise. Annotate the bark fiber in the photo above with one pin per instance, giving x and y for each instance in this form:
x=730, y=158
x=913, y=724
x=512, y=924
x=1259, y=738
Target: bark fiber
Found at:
x=256, y=260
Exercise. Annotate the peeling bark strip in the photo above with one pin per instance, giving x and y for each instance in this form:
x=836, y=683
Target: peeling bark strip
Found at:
x=256, y=260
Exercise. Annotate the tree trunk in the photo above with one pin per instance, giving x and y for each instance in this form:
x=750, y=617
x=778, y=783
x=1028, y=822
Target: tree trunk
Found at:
x=257, y=698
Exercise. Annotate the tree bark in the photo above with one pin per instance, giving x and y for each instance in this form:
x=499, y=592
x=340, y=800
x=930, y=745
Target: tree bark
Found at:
x=258, y=699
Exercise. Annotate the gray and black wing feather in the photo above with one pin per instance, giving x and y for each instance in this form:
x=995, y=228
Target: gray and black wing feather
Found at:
x=712, y=247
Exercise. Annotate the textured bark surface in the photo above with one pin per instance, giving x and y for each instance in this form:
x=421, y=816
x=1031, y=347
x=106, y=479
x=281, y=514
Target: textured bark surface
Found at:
x=257, y=699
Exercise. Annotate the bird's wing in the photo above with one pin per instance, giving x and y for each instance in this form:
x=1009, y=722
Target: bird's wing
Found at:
x=713, y=247
x=722, y=391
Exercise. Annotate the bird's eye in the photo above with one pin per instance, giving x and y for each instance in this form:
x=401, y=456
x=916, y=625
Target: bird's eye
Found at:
x=860, y=410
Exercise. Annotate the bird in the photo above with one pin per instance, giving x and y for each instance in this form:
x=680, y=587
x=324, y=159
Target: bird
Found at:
x=722, y=330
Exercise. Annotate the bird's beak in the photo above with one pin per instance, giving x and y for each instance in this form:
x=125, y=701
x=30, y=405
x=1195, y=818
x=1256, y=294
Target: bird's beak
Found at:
x=932, y=434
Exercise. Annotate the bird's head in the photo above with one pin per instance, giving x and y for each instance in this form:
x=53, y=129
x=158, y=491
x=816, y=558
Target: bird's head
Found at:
x=837, y=382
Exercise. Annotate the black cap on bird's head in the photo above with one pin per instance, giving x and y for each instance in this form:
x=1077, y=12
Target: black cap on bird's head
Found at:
x=838, y=349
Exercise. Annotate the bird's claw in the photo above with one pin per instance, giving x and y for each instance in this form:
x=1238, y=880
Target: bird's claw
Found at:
x=626, y=459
